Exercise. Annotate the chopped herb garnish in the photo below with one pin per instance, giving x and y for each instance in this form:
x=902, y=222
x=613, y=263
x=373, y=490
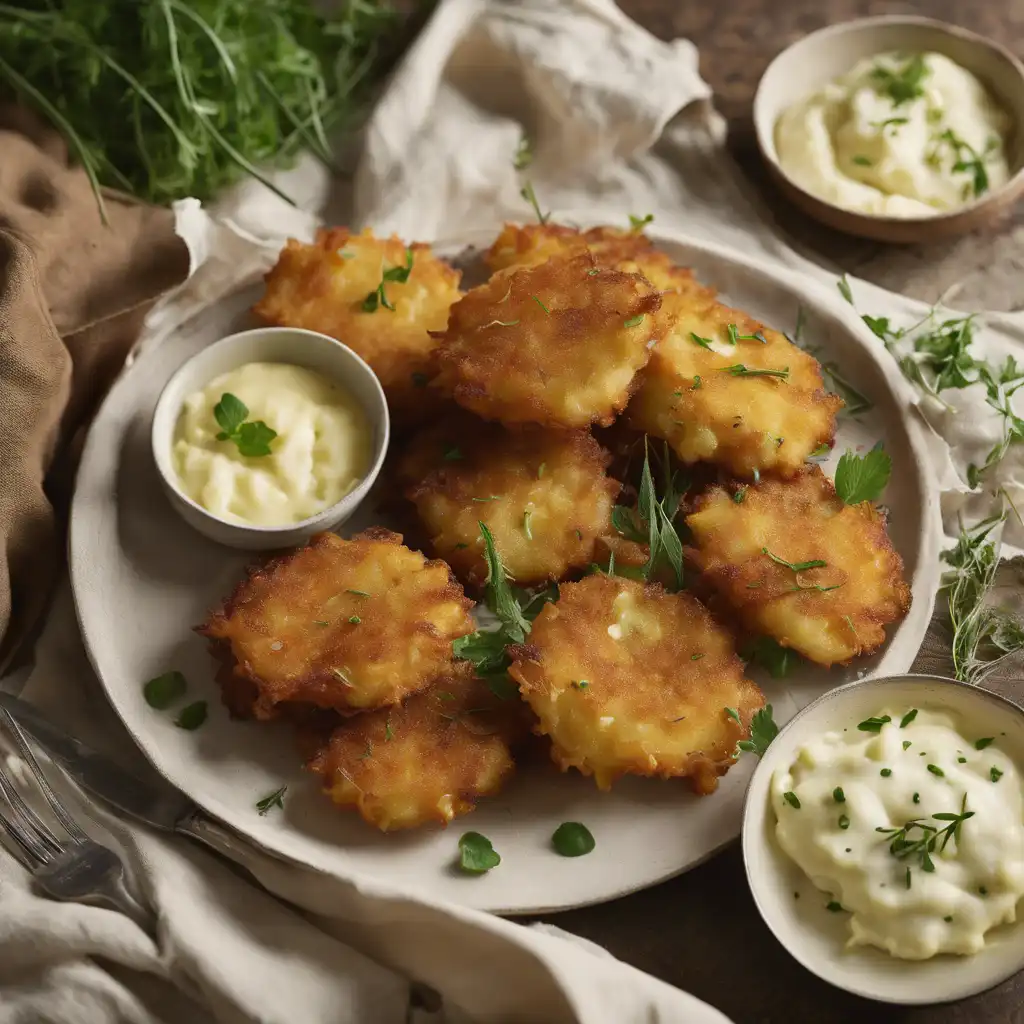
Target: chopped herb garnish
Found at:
x=634, y=321
x=582, y=684
x=984, y=742
x=873, y=724
x=639, y=223
x=771, y=655
x=541, y=304
x=354, y=619
x=275, y=799
x=908, y=718
x=703, y=342
x=251, y=439
x=476, y=854
x=192, y=716
x=399, y=274
x=358, y=593
x=838, y=795
x=833, y=907
x=739, y=495
x=162, y=691
x=696, y=657
x=961, y=760
x=844, y=289
x=571, y=839
x=844, y=822
x=863, y=478
x=966, y=159
x=885, y=773
x=948, y=919
x=903, y=84
x=815, y=563
x=995, y=774
x=732, y=331
x=906, y=843
x=792, y=799
x=890, y=122
x=697, y=383
x=762, y=731
x=936, y=770
x=526, y=524
x=906, y=744
x=740, y=370
x=733, y=714
x=862, y=161
x=389, y=734
x=499, y=323
x=493, y=497
x=916, y=798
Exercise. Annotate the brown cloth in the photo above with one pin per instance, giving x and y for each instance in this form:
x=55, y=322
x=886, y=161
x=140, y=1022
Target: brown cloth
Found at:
x=73, y=294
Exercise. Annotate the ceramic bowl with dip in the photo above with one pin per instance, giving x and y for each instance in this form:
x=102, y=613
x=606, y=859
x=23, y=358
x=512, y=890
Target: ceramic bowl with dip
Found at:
x=883, y=838
x=900, y=129
x=270, y=436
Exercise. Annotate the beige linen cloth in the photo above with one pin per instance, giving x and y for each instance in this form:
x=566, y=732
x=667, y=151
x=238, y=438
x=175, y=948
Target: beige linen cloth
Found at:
x=620, y=122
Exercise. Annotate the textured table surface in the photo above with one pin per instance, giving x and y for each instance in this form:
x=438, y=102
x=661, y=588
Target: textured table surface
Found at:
x=701, y=931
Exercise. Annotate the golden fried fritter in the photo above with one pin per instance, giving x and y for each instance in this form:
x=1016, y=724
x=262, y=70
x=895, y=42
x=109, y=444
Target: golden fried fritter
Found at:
x=528, y=245
x=322, y=287
x=626, y=678
x=428, y=759
x=543, y=494
x=343, y=624
x=558, y=344
x=755, y=403
x=831, y=612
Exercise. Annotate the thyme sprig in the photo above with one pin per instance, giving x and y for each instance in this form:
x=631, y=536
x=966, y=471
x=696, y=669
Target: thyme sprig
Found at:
x=918, y=839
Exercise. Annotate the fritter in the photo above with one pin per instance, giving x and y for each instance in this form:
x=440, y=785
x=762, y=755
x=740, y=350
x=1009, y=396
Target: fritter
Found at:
x=332, y=287
x=724, y=388
x=544, y=495
x=528, y=245
x=342, y=624
x=797, y=564
x=558, y=344
x=626, y=678
x=428, y=759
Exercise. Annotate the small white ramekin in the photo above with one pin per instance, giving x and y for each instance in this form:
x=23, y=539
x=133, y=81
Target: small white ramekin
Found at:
x=289, y=345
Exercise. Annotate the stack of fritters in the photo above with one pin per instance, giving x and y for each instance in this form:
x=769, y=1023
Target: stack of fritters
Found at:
x=575, y=331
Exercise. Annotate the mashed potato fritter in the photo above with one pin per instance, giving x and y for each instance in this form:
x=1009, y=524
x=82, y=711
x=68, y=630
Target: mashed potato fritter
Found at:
x=323, y=287
x=626, y=678
x=543, y=494
x=428, y=759
x=829, y=612
x=341, y=624
x=558, y=344
x=756, y=402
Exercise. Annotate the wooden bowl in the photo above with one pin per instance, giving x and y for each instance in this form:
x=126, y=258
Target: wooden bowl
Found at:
x=825, y=55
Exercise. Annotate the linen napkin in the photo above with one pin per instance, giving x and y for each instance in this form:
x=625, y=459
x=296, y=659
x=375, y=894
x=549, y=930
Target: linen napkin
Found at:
x=620, y=122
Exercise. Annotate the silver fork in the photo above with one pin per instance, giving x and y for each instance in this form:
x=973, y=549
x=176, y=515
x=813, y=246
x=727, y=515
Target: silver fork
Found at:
x=76, y=869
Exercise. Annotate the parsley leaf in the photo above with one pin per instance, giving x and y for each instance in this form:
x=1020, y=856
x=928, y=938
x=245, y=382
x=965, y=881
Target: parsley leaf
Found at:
x=252, y=439
x=762, y=731
x=862, y=478
x=162, y=691
x=903, y=84
x=192, y=716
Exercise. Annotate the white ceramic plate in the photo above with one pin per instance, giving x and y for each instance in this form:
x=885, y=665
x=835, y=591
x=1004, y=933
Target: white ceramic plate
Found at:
x=816, y=937
x=142, y=579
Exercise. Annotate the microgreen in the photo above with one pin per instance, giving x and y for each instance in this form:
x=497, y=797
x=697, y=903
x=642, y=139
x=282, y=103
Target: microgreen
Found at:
x=572, y=839
x=164, y=690
x=734, y=336
x=399, y=274
x=703, y=342
x=476, y=854
x=639, y=223
x=530, y=196
x=903, y=84
x=740, y=370
x=862, y=477
x=192, y=716
x=275, y=799
x=252, y=439
x=762, y=731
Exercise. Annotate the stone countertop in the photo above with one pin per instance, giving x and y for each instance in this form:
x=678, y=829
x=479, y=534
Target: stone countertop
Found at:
x=701, y=931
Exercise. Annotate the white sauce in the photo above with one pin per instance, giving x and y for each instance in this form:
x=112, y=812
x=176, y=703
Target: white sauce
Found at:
x=322, y=448
x=853, y=145
x=977, y=879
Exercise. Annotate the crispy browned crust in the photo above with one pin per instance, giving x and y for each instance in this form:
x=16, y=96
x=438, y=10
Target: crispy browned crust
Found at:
x=428, y=759
x=286, y=634
x=543, y=494
x=802, y=520
x=549, y=344
x=655, y=699
x=317, y=288
x=742, y=423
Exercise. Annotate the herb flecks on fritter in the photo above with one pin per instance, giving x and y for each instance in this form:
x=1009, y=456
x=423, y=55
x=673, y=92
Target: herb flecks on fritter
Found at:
x=544, y=495
x=797, y=564
x=428, y=759
x=558, y=344
x=376, y=295
x=725, y=389
x=631, y=251
x=343, y=624
x=627, y=679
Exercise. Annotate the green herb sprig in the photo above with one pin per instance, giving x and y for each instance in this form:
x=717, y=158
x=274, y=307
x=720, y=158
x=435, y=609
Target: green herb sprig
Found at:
x=378, y=297
x=918, y=839
x=863, y=477
x=252, y=439
x=762, y=731
x=901, y=84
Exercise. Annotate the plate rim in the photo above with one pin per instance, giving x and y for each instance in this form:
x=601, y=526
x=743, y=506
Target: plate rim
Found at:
x=783, y=278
